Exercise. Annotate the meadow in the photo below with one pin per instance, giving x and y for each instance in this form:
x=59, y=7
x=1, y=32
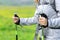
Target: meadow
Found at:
x=7, y=27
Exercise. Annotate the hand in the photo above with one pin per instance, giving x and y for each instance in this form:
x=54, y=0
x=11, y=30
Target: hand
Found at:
x=43, y=21
x=16, y=19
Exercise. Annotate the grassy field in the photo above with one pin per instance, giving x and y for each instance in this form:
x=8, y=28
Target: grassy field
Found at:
x=7, y=27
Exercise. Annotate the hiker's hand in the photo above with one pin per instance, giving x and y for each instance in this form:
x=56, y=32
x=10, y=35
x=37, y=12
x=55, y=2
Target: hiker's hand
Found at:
x=43, y=21
x=16, y=20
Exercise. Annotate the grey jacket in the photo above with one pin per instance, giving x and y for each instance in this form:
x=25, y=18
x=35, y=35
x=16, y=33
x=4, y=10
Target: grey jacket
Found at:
x=53, y=30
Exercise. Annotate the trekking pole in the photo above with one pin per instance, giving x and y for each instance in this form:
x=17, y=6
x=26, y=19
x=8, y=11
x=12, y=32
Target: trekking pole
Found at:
x=42, y=26
x=16, y=32
x=42, y=33
x=15, y=15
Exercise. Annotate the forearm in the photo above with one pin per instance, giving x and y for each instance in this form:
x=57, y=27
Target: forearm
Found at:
x=28, y=21
x=55, y=23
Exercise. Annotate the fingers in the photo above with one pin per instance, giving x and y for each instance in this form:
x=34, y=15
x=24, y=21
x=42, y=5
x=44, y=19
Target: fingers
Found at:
x=15, y=19
x=42, y=21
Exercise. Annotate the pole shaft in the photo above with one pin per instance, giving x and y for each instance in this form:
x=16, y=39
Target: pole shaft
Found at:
x=16, y=33
x=16, y=37
x=42, y=33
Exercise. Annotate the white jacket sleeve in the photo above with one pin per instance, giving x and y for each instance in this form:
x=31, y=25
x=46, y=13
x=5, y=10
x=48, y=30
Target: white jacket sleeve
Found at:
x=55, y=23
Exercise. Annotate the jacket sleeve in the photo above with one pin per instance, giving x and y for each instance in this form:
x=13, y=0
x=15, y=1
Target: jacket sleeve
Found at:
x=54, y=23
x=28, y=21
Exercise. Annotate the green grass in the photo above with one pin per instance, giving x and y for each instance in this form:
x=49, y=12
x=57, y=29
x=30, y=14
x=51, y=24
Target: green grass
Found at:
x=7, y=27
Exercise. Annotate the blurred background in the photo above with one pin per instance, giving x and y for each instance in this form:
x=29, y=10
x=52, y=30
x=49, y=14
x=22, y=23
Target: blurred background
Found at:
x=23, y=8
x=16, y=2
